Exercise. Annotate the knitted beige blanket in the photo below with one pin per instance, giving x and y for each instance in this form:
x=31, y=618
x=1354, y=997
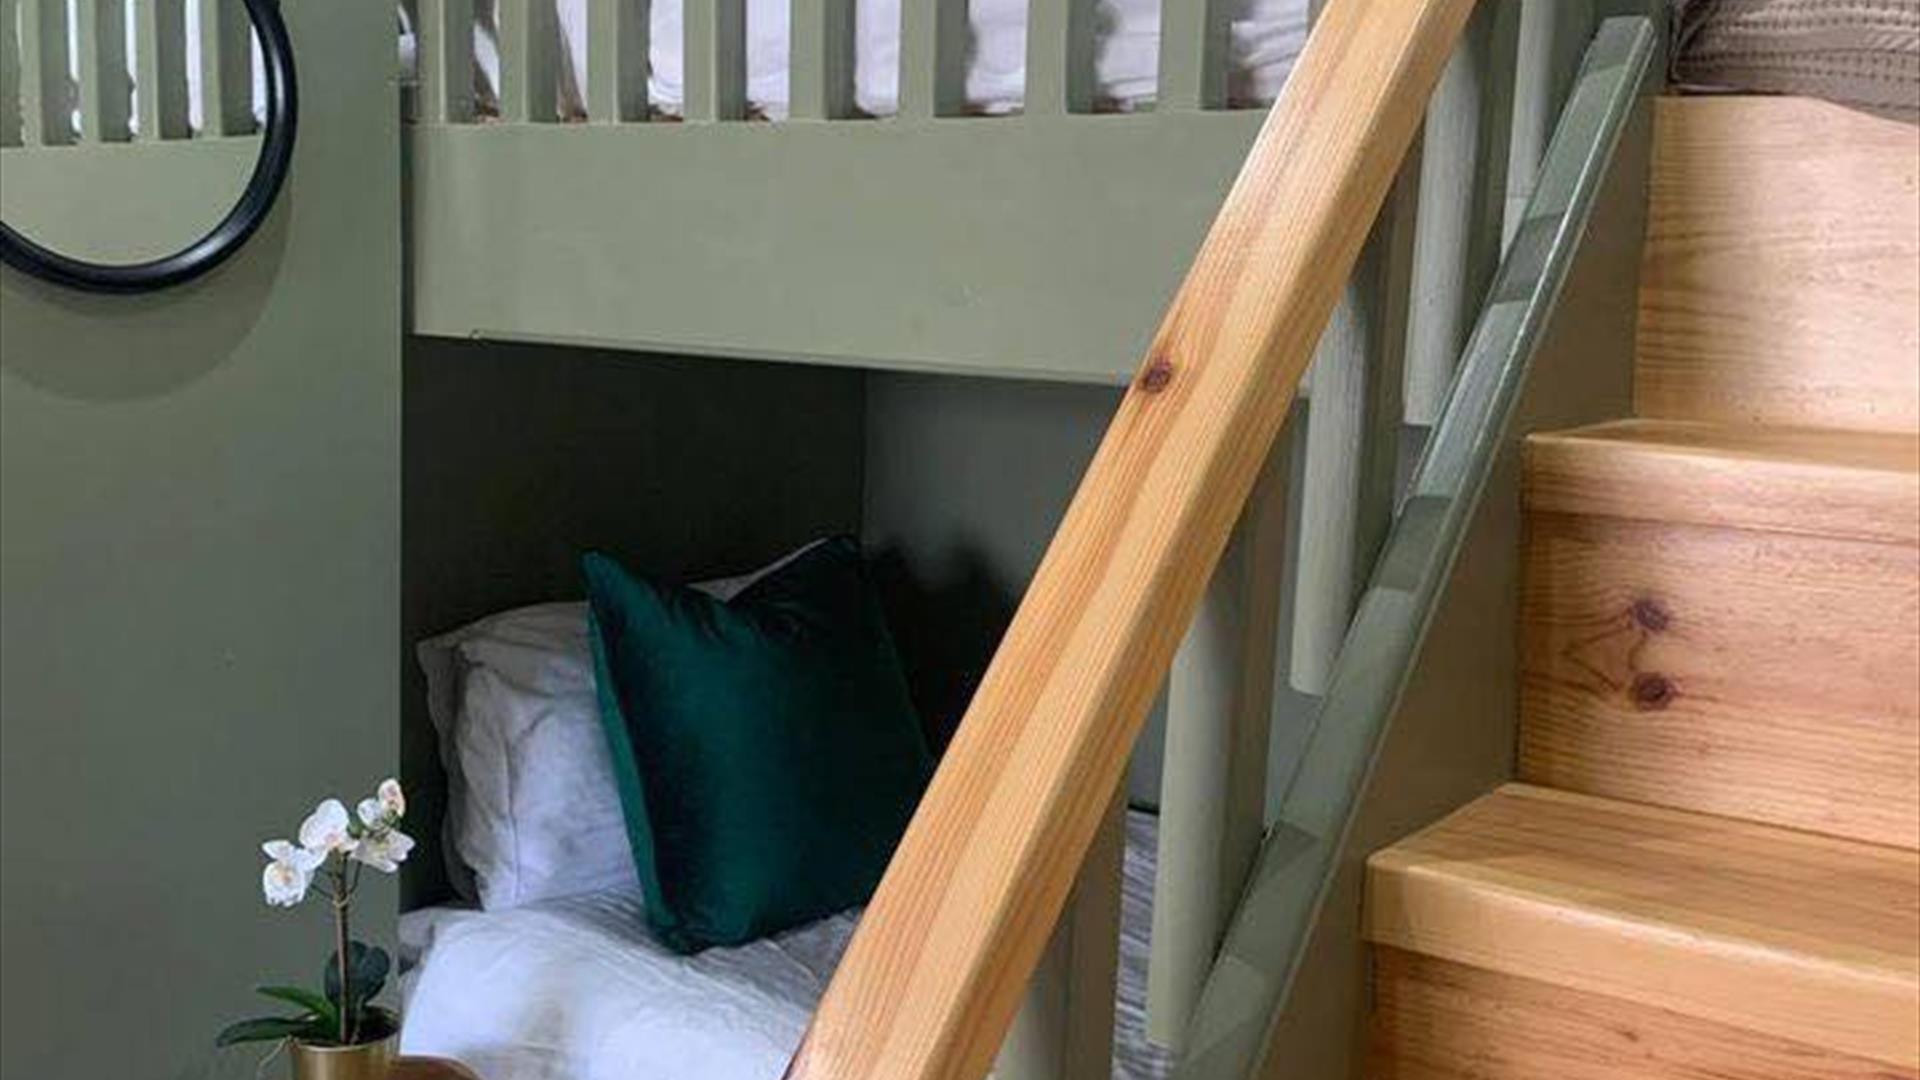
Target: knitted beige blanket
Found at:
x=1860, y=52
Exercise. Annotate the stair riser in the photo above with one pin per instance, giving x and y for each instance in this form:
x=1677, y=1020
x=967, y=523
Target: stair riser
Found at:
x=1760, y=675
x=1781, y=281
x=1436, y=1020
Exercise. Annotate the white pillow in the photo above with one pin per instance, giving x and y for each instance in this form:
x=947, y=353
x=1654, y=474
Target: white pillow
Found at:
x=532, y=808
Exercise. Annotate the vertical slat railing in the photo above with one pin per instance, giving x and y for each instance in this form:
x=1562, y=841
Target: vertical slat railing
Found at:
x=1193, y=54
x=529, y=61
x=715, y=60
x=1213, y=779
x=1352, y=441
x=617, y=36
x=226, y=69
x=106, y=93
x=821, y=62
x=1462, y=203
x=933, y=58
x=11, y=127
x=446, y=61
x=1064, y=1029
x=1060, y=51
x=935, y=973
x=1552, y=36
x=160, y=68
x=46, y=111
x=1288, y=934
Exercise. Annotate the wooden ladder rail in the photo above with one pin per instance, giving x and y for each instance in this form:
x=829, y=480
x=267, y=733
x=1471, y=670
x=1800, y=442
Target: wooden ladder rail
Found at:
x=934, y=973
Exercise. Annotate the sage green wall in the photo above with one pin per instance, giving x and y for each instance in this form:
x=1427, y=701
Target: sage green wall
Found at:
x=966, y=481
x=199, y=572
x=520, y=457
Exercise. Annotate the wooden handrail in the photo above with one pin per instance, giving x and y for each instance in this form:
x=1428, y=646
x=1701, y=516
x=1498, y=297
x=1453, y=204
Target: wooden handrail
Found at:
x=936, y=970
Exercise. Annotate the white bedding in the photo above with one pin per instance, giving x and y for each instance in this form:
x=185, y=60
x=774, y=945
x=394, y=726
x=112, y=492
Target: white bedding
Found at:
x=573, y=989
x=1267, y=35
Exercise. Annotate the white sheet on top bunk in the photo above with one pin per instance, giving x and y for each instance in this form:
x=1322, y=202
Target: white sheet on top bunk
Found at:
x=1267, y=35
x=574, y=989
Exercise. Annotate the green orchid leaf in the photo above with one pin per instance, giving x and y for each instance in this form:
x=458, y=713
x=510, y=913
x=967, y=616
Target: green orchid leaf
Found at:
x=264, y=1029
x=367, y=968
x=310, y=1000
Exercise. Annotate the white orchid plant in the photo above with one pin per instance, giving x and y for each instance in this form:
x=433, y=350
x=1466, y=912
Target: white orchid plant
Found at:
x=327, y=857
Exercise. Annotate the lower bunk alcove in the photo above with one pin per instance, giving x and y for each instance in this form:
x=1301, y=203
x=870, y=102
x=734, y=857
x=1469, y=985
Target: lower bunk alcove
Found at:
x=519, y=458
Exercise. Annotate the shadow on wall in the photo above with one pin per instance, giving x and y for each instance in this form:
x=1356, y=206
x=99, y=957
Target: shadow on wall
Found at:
x=946, y=630
x=181, y=333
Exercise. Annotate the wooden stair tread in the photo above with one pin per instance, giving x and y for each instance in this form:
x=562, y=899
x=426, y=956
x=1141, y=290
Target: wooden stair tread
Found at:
x=1823, y=482
x=1781, y=278
x=1792, y=934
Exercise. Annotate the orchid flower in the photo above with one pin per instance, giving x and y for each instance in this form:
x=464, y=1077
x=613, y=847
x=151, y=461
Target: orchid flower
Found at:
x=287, y=876
x=334, y=843
x=392, y=798
x=327, y=830
x=384, y=850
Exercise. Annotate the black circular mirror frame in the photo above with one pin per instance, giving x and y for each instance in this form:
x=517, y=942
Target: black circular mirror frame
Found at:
x=263, y=187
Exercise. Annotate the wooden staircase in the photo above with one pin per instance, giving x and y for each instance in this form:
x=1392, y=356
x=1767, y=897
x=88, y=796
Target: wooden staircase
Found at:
x=1710, y=867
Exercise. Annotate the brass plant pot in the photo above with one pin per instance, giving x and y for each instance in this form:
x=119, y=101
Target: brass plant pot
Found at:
x=367, y=1061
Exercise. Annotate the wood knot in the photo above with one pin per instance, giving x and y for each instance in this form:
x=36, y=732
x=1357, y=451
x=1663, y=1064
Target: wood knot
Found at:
x=1650, y=614
x=1651, y=693
x=1158, y=374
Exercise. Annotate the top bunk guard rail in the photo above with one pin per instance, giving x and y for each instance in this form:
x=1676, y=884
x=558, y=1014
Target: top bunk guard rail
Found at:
x=933, y=976
x=114, y=72
x=934, y=42
x=1059, y=229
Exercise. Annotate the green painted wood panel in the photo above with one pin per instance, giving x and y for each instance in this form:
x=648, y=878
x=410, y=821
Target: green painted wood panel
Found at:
x=715, y=60
x=43, y=73
x=160, y=68
x=617, y=34
x=1193, y=54
x=821, y=60
x=933, y=58
x=1060, y=53
x=226, y=68
x=9, y=72
x=529, y=61
x=1463, y=186
x=199, y=573
x=446, y=60
x=1353, y=437
x=1033, y=245
x=105, y=91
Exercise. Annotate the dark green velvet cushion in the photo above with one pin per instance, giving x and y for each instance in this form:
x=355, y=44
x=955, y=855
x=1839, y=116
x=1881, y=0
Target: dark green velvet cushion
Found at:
x=767, y=753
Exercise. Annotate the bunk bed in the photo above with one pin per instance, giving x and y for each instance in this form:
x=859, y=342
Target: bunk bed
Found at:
x=943, y=199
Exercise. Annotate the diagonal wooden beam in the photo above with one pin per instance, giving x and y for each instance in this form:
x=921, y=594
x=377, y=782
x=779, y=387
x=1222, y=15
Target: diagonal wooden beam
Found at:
x=937, y=967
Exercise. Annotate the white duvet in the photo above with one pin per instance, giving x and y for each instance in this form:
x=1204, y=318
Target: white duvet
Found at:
x=1267, y=35
x=574, y=989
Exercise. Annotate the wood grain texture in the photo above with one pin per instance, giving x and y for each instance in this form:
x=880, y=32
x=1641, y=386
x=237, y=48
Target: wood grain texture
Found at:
x=1437, y=1020
x=1782, y=274
x=932, y=976
x=1762, y=675
x=1799, y=937
x=1862, y=485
